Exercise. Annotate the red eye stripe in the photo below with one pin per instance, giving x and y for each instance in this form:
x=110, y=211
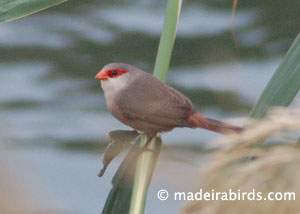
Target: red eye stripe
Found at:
x=115, y=73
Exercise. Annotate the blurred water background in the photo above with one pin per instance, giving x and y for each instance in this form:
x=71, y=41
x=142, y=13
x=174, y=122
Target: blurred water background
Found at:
x=53, y=116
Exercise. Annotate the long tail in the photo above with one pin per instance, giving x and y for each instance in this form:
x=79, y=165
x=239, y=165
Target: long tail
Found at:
x=197, y=120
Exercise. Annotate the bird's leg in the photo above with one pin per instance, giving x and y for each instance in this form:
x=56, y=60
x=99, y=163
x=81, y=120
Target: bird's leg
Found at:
x=148, y=142
x=150, y=138
x=144, y=148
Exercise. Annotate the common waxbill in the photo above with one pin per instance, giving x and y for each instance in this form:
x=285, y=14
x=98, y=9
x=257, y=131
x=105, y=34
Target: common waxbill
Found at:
x=141, y=101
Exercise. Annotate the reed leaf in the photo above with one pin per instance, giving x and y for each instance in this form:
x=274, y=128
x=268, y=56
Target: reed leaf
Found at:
x=14, y=9
x=284, y=85
x=147, y=160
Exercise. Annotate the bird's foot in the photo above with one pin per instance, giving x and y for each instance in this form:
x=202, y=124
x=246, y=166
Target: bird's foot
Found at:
x=145, y=147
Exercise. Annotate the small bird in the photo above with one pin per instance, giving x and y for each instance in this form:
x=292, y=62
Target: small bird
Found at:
x=149, y=106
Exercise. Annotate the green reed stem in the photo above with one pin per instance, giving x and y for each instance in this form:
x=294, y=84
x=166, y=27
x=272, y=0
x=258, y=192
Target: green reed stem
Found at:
x=147, y=160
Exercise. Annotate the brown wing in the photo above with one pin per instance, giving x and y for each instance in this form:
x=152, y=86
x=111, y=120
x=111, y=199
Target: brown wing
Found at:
x=150, y=100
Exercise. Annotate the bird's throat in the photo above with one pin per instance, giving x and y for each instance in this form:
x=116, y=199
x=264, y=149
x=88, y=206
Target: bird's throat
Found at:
x=111, y=87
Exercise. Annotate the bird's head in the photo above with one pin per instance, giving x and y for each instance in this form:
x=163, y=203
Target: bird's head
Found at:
x=114, y=71
x=117, y=76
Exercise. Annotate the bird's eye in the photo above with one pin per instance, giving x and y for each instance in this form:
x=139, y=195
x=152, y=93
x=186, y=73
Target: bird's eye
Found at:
x=115, y=72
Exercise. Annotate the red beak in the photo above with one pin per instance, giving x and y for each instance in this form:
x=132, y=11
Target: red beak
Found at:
x=102, y=75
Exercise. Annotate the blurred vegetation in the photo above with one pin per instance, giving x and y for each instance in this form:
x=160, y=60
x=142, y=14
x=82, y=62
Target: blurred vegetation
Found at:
x=275, y=168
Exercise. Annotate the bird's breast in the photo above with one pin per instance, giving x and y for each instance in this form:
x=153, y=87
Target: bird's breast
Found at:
x=112, y=90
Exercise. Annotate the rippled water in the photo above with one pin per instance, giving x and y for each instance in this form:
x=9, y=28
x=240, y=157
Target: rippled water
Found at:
x=48, y=61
